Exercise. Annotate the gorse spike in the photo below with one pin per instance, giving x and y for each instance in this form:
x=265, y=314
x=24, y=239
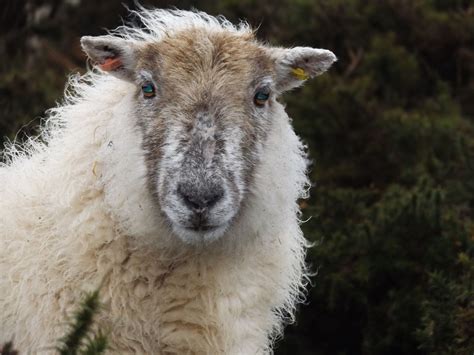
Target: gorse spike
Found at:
x=73, y=342
x=95, y=345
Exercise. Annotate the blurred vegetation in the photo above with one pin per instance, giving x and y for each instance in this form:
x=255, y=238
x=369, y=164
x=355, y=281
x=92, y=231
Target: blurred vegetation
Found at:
x=390, y=130
x=81, y=337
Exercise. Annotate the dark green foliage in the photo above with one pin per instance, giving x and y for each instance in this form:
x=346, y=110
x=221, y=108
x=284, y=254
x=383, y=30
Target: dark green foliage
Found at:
x=390, y=130
x=78, y=339
x=95, y=345
x=448, y=312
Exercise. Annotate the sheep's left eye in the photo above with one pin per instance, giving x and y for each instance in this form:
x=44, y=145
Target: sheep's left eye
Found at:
x=261, y=97
x=148, y=90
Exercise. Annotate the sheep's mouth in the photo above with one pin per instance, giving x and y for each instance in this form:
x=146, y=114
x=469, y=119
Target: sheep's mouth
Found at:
x=202, y=228
x=200, y=234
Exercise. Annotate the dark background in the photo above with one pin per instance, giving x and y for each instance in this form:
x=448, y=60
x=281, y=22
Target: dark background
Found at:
x=390, y=131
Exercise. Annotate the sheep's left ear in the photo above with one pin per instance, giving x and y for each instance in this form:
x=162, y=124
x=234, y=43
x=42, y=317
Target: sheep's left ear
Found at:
x=114, y=55
x=294, y=66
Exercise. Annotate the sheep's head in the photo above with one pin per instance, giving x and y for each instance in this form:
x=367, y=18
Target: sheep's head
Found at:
x=204, y=101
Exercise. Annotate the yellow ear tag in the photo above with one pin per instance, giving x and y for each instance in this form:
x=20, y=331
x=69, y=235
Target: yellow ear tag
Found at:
x=299, y=73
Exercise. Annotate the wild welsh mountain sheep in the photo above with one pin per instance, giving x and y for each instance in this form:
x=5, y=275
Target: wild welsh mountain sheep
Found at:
x=169, y=177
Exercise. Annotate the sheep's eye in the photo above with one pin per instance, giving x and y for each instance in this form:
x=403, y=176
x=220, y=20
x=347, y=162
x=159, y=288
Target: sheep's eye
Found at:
x=261, y=96
x=148, y=90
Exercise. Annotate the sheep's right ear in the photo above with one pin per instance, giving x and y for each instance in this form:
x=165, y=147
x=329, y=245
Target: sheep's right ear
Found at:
x=114, y=55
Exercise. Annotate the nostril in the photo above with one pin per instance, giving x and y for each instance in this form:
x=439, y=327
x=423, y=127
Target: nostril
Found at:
x=214, y=196
x=199, y=198
x=187, y=196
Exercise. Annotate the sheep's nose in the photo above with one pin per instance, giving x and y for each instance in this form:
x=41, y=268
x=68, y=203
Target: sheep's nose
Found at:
x=200, y=198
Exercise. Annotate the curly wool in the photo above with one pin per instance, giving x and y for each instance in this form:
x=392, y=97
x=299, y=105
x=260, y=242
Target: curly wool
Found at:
x=75, y=213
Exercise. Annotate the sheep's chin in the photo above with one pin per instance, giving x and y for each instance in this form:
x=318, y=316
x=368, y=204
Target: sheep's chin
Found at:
x=197, y=237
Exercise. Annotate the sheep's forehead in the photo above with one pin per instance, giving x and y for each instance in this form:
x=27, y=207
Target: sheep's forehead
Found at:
x=198, y=60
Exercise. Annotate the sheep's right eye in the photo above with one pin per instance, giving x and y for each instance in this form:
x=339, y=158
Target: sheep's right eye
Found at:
x=148, y=90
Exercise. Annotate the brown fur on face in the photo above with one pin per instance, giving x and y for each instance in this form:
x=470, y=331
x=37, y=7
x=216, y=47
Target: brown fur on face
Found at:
x=205, y=86
x=205, y=70
x=197, y=65
x=201, y=71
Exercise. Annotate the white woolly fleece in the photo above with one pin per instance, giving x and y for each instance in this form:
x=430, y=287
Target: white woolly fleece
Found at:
x=75, y=213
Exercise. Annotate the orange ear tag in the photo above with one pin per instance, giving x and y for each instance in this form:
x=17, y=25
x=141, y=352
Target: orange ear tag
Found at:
x=111, y=64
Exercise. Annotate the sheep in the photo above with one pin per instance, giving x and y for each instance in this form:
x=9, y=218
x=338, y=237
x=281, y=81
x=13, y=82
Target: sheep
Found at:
x=169, y=176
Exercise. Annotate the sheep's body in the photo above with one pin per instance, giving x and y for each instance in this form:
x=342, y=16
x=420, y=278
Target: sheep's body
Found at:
x=76, y=212
x=65, y=227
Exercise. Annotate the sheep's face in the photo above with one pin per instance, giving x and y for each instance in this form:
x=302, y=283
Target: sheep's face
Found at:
x=202, y=129
x=204, y=102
